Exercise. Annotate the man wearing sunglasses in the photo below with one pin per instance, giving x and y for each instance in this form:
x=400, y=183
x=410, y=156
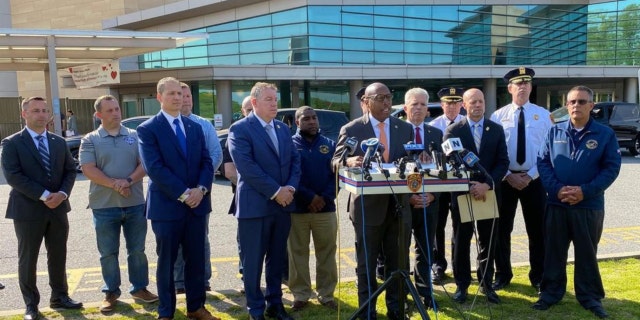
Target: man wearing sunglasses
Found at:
x=525, y=126
x=580, y=159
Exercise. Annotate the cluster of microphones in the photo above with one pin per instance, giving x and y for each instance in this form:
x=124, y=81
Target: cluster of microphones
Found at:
x=454, y=157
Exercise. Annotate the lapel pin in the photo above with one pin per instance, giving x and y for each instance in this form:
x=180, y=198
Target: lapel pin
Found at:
x=278, y=126
x=536, y=117
x=486, y=129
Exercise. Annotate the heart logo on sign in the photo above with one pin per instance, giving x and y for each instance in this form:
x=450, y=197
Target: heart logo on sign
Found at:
x=104, y=68
x=114, y=74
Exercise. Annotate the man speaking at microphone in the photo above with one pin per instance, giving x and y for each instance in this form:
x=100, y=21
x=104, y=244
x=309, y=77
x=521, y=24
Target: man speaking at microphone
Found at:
x=374, y=216
x=486, y=139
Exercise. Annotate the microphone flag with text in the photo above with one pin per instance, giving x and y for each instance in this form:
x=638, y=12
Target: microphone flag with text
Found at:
x=369, y=147
x=349, y=149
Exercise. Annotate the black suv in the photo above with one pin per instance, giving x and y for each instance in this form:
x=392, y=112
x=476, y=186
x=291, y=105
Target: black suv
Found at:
x=622, y=117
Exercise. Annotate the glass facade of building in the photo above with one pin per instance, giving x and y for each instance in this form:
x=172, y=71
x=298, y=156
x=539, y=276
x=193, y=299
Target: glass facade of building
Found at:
x=598, y=34
x=606, y=33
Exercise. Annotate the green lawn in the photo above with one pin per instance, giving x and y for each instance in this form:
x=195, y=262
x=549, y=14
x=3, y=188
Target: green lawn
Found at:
x=621, y=280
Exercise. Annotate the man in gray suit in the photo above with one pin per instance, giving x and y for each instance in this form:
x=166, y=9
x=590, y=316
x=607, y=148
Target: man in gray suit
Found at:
x=376, y=223
x=41, y=172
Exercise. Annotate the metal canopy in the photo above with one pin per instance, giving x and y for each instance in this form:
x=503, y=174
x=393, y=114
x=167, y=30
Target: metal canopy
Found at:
x=50, y=50
x=26, y=49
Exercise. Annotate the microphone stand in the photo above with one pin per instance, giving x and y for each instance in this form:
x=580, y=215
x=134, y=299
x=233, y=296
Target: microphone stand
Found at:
x=401, y=276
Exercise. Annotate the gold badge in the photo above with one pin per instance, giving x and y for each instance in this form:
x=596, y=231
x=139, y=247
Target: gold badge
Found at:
x=522, y=70
x=591, y=144
x=452, y=91
x=324, y=149
x=414, y=182
x=536, y=117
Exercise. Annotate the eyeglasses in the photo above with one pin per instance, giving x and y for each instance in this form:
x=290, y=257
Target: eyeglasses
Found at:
x=578, y=101
x=380, y=97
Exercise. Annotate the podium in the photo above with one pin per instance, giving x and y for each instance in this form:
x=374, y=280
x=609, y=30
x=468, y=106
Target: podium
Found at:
x=352, y=180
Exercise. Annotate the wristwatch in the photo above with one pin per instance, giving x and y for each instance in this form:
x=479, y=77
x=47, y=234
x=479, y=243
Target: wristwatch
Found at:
x=129, y=180
x=202, y=189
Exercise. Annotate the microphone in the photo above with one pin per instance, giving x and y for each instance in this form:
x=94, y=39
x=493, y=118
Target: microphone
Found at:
x=472, y=161
x=369, y=147
x=349, y=149
x=451, y=145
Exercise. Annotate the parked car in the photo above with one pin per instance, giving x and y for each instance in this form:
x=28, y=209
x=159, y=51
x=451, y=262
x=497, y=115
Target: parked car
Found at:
x=622, y=117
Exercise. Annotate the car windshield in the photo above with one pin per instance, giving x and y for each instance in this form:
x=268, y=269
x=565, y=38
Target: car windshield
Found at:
x=560, y=115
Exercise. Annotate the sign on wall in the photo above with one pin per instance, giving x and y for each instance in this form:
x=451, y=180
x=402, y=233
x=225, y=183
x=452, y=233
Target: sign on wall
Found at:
x=93, y=75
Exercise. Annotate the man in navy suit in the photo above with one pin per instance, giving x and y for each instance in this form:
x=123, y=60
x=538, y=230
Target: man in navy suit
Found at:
x=41, y=173
x=485, y=138
x=374, y=217
x=268, y=166
x=180, y=170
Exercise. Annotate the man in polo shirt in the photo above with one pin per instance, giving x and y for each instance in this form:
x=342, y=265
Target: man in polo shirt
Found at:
x=109, y=158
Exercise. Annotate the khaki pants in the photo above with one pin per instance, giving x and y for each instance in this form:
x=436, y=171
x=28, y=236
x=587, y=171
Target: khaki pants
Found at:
x=323, y=227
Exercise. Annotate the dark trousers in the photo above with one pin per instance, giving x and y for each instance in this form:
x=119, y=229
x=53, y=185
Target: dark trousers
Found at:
x=533, y=199
x=54, y=229
x=439, y=260
x=370, y=240
x=188, y=232
x=583, y=227
x=485, y=244
x=423, y=224
x=264, y=242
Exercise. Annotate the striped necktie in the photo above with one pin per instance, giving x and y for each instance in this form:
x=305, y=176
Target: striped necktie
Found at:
x=44, y=154
x=477, y=135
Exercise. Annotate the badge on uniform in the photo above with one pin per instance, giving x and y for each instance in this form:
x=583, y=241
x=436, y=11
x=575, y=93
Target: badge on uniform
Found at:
x=324, y=149
x=414, y=182
x=591, y=144
x=129, y=140
x=536, y=117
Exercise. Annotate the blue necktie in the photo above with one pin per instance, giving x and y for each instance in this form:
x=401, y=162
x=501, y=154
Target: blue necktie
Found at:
x=477, y=135
x=42, y=149
x=272, y=135
x=182, y=139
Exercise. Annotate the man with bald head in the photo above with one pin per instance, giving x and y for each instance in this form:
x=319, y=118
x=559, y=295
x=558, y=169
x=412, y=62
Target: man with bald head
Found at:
x=485, y=138
x=374, y=217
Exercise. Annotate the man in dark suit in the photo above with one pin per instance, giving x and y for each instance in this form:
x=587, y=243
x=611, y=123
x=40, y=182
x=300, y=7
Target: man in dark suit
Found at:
x=486, y=139
x=175, y=156
x=376, y=224
x=41, y=173
x=268, y=167
x=424, y=206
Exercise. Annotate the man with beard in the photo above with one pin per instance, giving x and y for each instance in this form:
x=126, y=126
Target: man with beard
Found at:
x=315, y=215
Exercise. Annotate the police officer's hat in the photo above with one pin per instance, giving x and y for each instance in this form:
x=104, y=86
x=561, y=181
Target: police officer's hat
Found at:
x=450, y=94
x=519, y=75
x=361, y=93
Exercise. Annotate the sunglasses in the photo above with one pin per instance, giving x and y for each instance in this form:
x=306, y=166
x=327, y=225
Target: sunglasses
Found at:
x=579, y=101
x=380, y=97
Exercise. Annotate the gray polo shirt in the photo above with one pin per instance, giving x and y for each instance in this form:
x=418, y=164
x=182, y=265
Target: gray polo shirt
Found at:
x=116, y=156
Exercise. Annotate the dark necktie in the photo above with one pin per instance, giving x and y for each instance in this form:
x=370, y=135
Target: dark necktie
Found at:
x=42, y=149
x=182, y=139
x=521, y=153
x=418, y=136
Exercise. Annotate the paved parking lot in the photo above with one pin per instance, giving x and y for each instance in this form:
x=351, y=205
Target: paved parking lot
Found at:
x=621, y=238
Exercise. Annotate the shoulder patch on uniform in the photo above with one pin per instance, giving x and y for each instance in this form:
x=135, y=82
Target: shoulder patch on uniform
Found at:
x=324, y=149
x=591, y=144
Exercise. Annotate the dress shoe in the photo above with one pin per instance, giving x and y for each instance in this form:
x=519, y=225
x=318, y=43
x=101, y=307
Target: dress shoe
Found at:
x=65, y=302
x=540, y=305
x=201, y=314
x=1, y=286
x=277, y=311
x=396, y=315
x=499, y=284
x=491, y=295
x=299, y=305
x=599, y=312
x=460, y=296
x=330, y=304
x=31, y=314
x=438, y=277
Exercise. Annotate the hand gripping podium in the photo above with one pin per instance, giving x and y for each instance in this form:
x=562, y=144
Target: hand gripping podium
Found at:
x=374, y=181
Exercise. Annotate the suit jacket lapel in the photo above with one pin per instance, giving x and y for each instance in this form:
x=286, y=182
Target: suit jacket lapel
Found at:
x=262, y=133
